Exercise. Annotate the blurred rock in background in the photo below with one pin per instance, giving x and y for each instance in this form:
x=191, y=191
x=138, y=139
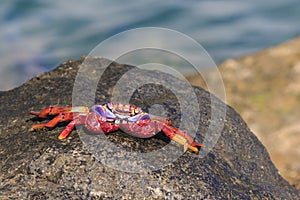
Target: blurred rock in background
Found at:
x=265, y=89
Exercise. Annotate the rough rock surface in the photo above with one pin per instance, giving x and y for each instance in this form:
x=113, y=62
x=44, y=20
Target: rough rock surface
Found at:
x=36, y=165
x=265, y=89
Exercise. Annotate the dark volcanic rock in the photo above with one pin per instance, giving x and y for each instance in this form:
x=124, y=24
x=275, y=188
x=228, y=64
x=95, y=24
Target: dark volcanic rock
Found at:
x=36, y=165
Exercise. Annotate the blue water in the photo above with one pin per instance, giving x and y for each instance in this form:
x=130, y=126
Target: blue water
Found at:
x=36, y=36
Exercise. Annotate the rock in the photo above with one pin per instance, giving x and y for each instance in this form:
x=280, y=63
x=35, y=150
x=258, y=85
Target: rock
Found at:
x=36, y=165
x=265, y=88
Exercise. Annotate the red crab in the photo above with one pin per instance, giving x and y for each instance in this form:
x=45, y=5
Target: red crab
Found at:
x=110, y=117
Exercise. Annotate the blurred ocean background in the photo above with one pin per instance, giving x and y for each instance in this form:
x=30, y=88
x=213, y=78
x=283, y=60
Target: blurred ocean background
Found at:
x=36, y=36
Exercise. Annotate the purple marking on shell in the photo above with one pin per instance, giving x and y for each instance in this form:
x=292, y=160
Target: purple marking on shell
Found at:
x=134, y=118
x=146, y=116
x=109, y=114
x=109, y=106
x=98, y=110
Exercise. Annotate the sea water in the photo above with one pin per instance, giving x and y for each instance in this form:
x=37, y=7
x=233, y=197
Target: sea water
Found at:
x=36, y=36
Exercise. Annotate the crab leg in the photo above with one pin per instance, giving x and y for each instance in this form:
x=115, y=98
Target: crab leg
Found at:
x=53, y=110
x=148, y=128
x=70, y=127
x=182, y=138
x=50, y=110
x=61, y=118
x=52, y=123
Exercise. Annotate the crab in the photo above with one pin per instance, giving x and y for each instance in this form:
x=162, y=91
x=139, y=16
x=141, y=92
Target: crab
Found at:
x=109, y=117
